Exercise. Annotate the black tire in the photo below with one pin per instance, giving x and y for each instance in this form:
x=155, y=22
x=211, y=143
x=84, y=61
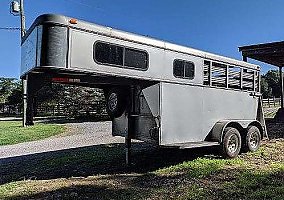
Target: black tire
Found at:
x=231, y=144
x=115, y=102
x=252, y=139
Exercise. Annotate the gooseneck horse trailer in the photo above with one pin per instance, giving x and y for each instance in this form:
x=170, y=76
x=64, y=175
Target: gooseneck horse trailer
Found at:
x=159, y=92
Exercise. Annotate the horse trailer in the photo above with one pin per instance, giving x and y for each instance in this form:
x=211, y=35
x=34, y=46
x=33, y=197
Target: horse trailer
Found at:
x=156, y=91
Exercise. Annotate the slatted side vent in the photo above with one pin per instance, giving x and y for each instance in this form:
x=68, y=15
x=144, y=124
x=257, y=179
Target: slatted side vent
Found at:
x=234, y=76
x=219, y=74
x=257, y=82
x=248, y=79
x=206, y=72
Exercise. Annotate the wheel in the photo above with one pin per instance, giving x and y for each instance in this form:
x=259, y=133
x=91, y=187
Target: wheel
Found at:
x=231, y=144
x=252, y=140
x=116, y=102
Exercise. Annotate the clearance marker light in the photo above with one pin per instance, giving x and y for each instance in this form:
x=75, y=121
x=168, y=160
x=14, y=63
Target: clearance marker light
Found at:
x=73, y=21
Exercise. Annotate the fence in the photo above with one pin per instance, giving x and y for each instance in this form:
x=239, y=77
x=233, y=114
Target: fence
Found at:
x=10, y=109
x=96, y=109
x=271, y=102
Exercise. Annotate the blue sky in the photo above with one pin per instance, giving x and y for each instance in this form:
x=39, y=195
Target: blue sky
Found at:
x=217, y=26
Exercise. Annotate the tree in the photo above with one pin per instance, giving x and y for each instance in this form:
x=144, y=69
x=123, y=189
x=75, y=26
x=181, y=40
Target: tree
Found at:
x=7, y=86
x=10, y=94
x=272, y=80
x=75, y=100
x=15, y=98
x=265, y=89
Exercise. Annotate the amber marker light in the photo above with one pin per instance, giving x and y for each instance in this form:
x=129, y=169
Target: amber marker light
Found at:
x=73, y=21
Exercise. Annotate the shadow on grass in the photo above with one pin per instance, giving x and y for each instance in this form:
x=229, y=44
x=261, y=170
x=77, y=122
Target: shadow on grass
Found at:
x=92, y=160
x=275, y=129
x=88, y=192
x=243, y=184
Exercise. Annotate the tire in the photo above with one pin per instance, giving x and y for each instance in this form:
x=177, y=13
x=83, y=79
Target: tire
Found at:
x=251, y=142
x=115, y=102
x=231, y=144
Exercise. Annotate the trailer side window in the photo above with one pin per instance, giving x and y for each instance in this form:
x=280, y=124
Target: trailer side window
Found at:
x=110, y=54
x=183, y=69
x=120, y=56
x=178, y=68
x=135, y=58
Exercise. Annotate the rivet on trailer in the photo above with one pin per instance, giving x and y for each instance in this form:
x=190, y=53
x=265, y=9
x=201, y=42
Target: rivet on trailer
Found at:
x=159, y=92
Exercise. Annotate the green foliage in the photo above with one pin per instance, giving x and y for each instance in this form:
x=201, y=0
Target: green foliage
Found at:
x=75, y=99
x=8, y=87
x=15, y=97
x=270, y=84
x=12, y=132
x=265, y=89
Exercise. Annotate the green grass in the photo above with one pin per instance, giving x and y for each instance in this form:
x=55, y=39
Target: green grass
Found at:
x=12, y=132
x=257, y=184
x=200, y=167
x=257, y=175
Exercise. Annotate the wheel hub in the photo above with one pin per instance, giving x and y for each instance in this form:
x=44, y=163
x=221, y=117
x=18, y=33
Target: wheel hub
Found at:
x=254, y=140
x=233, y=143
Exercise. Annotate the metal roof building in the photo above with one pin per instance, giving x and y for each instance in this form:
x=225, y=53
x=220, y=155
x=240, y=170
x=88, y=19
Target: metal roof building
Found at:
x=270, y=53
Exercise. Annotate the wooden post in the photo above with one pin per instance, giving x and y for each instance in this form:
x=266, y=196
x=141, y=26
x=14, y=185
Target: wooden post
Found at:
x=274, y=101
x=281, y=87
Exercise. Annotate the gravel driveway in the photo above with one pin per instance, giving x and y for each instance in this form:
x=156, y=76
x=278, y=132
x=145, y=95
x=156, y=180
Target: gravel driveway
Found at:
x=78, y=135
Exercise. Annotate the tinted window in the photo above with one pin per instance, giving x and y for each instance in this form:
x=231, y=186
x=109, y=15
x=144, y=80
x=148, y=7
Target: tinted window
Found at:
x=183, y=69
x=135, y=58
x=188, y=69
x=102, y=52
x=178, y=68
x=110, y=54
x=117, y=55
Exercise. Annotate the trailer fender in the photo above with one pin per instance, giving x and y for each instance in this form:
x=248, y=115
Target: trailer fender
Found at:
x=218, y=129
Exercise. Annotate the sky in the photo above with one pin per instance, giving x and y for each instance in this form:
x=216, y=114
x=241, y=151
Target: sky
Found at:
x=216, y=26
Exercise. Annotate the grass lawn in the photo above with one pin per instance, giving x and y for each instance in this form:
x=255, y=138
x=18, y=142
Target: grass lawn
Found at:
x=98, y=172
x=12, y=132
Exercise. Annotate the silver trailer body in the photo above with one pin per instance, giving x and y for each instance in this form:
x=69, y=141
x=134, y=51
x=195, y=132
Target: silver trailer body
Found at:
x=174, y=109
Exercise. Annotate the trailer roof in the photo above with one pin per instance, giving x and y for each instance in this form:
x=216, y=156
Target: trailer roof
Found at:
x=271, y=53
x=127, y=36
